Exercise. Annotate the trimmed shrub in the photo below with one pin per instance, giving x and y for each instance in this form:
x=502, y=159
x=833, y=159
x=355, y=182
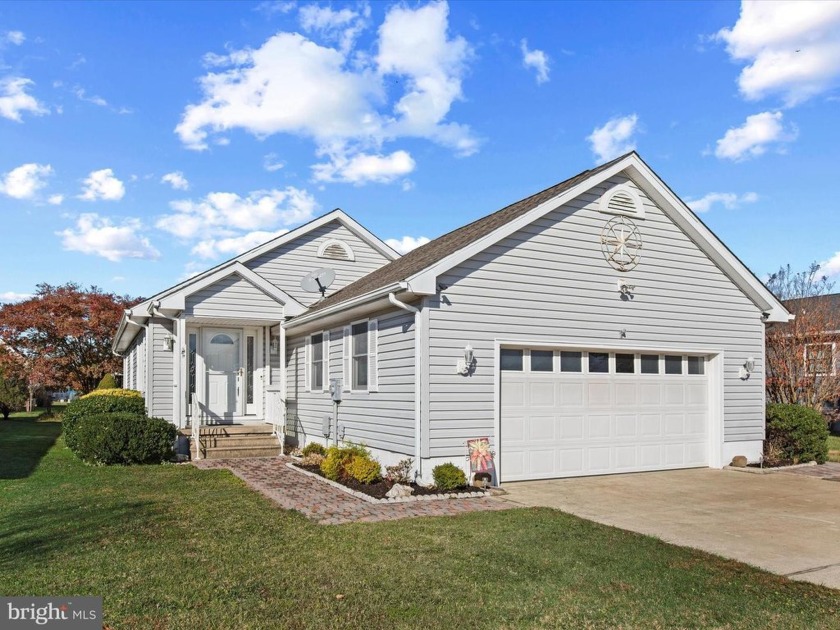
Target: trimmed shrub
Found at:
x=314, y=447
x=338, y=458
x=449, y=477
x=99, y=401
x=400, y=473
x=123, y=438
x=313, y=459
x=108, y=382
x=795, y=433
x=364, y=469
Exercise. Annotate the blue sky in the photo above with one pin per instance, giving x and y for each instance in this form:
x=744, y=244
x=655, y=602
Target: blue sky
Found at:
x=140, y=143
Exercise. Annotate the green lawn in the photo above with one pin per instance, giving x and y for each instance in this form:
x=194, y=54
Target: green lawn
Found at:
x=834, y=448
x=176, y=547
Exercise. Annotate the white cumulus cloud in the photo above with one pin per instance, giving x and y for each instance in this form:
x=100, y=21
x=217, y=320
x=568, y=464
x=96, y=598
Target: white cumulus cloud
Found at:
x=99, y=236
x=758, y=133
x=363, y=168
x=25, y=181
x=213, y=248
x=14, y=99
x=536, y=59
x=340, y=98
x=176, y=179
x=791, y=48
x=406, y=243
x=614, y=138
x=730, y=201
x=831, y=267
x=12, y=296
x=221, y=214
x=102, y=184
x=14, y=37
x=55, y=200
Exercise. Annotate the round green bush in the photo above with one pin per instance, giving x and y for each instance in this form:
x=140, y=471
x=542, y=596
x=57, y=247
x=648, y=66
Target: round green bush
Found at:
x=364, y=469
x=108, y=382
x=314, y=447
x=123, y=438
x=104, y=401
x=449, y=477
x=799, y=434
x=338, y=458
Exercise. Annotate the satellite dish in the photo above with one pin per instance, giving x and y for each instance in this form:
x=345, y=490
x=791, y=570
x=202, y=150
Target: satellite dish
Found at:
x=318, y=280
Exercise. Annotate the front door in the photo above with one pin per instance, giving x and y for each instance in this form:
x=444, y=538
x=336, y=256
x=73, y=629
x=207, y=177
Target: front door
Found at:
x=223, y=362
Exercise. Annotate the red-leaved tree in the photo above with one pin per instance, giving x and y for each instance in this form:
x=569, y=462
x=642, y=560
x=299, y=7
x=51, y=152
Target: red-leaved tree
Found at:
x=61, y=337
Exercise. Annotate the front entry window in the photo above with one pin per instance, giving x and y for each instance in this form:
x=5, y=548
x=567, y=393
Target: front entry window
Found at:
x=249, y=369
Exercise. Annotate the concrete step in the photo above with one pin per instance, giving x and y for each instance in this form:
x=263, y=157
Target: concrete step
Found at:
x=239, y=452
x=235, y=441
x=231, y=430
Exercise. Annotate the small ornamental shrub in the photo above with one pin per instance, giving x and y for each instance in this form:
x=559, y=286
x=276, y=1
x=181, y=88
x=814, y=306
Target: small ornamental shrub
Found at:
x=795, y=434
x=123, y=438
x=99, y=401
x=449, y=477
x=338, y=458
x=400, y=473
x=314, y=447
x=108, y=382
x=364, y=469
x=313, y=459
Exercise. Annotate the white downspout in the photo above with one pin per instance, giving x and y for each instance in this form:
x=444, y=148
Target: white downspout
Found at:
x=147, y=366
x=178, y=365
x=418, y=370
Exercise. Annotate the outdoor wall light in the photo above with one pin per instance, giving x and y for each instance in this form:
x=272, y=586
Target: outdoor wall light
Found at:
x=275, y=345
x=747, y=369
x=465, y=365
x=169, y=342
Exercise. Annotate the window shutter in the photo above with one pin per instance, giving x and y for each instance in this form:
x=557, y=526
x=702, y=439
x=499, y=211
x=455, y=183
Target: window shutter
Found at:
x=348, y=359
x=307, y=352
x=326, y=361
x=373, y=355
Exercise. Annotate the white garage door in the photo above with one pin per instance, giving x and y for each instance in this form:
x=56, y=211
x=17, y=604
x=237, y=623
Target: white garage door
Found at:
x=573, y=413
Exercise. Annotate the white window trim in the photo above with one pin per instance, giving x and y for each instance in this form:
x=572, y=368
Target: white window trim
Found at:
x=832, y=359
x=604, y=203
x=372, y=356
x=351, y=256
x=309, y=357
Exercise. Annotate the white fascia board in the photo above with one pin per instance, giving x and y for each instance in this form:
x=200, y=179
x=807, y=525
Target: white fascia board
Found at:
x=336, y=215
x=177, y=301
x=426, y=280
x=343, y=308
x=125, y=328
x=711, y=245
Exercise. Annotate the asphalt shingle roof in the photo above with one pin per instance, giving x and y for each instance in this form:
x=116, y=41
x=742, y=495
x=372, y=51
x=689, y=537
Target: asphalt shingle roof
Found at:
x=429, y=254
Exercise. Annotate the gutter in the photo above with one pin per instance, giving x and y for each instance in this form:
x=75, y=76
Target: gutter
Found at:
x=343, y=306
x=418, y=388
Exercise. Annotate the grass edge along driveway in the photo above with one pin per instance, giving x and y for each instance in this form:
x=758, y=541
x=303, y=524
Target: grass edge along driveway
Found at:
x=177, y=547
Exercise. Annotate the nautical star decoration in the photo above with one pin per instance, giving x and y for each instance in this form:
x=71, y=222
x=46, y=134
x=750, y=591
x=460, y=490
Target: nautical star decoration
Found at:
x=621, y=243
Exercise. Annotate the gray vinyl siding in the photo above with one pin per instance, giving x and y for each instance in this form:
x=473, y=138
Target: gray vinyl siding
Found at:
x=284, y=266
x=383, y=419
x=159, y=399
x=232, y=297
x=550, y=281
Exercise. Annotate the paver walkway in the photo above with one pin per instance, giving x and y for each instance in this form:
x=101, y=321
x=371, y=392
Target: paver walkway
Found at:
x=829, y=470
x=329, y=506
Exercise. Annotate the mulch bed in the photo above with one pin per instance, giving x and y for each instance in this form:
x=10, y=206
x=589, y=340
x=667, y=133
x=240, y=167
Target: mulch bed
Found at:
x=379, y=489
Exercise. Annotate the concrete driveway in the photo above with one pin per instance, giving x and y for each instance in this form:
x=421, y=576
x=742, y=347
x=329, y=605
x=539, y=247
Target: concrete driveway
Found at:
x=784, y=523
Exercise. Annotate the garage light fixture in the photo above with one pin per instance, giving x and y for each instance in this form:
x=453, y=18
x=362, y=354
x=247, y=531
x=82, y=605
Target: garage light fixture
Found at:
x=747, y=369
x=465, y=365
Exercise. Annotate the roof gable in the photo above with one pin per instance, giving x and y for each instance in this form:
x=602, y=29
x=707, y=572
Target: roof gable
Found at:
x=420, y=268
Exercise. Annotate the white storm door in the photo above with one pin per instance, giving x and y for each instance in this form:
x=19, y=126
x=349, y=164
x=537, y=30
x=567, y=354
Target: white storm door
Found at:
x=223, y=363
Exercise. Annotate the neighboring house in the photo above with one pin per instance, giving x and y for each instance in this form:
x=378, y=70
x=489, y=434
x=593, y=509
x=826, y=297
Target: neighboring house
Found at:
x=595, y=327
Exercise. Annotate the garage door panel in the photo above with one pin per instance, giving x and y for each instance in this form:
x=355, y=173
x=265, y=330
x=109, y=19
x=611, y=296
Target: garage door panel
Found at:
x=556, y=424
x=571, y=394
x=541, y=428
x=598, y=426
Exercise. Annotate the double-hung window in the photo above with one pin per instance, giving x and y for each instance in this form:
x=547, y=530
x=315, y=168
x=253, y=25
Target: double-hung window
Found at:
x=316, y=362
x=359, y=356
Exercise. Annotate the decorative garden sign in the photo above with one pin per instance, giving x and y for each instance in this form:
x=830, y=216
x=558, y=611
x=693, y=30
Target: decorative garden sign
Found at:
x=481, y=457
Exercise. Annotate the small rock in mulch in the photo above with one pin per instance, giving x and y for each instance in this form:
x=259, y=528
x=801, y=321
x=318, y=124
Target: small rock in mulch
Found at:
x=380, y=489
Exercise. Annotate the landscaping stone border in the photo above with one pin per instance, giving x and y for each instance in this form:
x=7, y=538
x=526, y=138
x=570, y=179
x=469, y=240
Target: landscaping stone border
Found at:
x=409, y=499
x=769, y=470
